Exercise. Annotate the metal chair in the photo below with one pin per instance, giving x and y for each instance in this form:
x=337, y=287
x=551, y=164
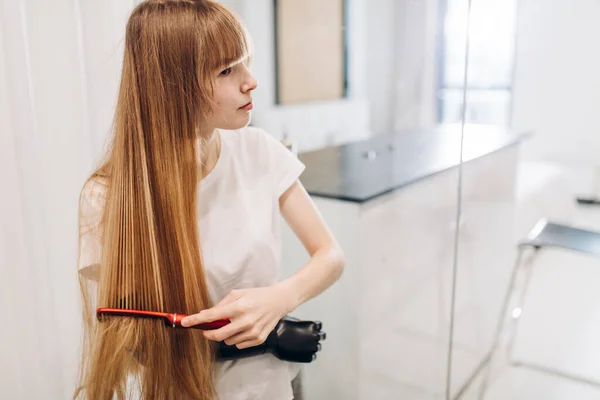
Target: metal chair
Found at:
x=545, y=234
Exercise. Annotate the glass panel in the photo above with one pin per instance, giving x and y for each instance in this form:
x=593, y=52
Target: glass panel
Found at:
x=525, y=327
x=491, y=59
x=487, y=176
x=491, y=47
x=483, y=106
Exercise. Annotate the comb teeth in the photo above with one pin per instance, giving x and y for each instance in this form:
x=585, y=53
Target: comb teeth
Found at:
x=132, y=313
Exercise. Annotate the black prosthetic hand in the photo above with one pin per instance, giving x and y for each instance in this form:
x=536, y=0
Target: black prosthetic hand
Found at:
x=291, y=340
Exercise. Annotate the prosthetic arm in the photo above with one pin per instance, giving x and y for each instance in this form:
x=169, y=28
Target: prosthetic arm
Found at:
x=291, y=340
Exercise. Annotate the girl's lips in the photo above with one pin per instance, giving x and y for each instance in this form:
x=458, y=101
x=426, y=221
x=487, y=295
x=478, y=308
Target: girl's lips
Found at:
x=247, y=107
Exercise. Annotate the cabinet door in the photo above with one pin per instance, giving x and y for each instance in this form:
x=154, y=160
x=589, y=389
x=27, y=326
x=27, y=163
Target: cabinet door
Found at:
x=407, y=238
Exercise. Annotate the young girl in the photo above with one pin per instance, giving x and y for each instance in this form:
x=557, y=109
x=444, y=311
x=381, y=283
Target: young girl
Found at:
x=183, y=215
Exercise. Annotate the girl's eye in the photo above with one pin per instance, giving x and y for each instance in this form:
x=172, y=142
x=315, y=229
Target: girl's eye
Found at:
x=226, y=72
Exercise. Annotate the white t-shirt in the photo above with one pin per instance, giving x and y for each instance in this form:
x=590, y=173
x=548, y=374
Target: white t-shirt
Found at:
x=239, y=223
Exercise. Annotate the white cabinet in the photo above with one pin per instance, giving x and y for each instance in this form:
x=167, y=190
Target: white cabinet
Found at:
x=388, y=318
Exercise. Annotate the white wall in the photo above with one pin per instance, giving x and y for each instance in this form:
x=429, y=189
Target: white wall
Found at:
x=557, y=80
x=413, y=99
x=380, y=61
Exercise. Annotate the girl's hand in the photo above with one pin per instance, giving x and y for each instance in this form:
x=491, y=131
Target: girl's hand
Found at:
x=253, y=313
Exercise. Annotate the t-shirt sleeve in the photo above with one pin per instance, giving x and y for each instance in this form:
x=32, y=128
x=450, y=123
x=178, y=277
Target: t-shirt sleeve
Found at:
x=286, y=166
x=91, y=208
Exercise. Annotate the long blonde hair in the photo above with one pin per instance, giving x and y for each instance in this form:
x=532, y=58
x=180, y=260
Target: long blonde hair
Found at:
x=151, y=257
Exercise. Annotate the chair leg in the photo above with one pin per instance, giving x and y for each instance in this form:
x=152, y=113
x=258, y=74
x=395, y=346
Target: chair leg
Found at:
x=500, y=325
x=517, y=316
x=518, y=309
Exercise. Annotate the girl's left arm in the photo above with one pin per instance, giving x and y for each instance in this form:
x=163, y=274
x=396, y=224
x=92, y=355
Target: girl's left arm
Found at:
x=327, y=260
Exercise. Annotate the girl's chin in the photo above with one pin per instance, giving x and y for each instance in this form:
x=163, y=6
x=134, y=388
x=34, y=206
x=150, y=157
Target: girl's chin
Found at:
x=239, y=122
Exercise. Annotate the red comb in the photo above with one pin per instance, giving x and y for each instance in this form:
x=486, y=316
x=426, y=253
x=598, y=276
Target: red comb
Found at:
x=171, y=319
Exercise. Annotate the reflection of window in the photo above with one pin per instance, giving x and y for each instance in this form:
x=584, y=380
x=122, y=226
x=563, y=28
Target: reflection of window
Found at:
x=491, y=59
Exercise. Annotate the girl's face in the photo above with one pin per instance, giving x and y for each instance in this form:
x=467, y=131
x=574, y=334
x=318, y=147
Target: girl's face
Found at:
x=233, y=97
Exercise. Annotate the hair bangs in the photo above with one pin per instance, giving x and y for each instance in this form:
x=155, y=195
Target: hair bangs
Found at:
x=228, y=43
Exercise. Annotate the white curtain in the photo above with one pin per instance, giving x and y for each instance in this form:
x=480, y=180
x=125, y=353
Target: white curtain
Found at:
x=59, y=68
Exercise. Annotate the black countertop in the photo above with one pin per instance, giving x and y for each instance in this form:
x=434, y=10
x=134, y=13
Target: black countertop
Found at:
x=363, y=170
